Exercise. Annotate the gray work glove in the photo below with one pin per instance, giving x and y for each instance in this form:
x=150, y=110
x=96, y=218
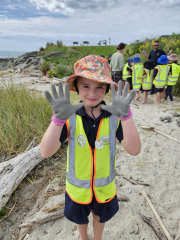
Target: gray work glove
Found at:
x=120, y=103
x=61, y=105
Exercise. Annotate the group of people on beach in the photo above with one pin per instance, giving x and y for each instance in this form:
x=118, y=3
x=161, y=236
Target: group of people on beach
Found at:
x=158, y=74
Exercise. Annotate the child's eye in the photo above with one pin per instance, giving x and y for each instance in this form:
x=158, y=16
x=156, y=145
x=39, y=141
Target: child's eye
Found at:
x=99, y=87
x=85, y=86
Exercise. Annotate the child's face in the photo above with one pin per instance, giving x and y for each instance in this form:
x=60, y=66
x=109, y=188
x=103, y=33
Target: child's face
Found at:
x=91, y=92
x=131, y=63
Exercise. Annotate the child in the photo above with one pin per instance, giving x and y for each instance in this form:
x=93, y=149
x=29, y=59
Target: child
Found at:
x=159, y=76
x=109, y=58
x=147, y=82
x=91, y=128
x=137, y=71
x=172, y=79
x=127, y=72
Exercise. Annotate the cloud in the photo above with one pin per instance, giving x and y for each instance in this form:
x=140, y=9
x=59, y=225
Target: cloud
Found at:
x=95, y=20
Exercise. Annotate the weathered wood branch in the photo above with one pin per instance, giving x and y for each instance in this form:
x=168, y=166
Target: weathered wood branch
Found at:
x=12, y=172
x=136, y=182
x=154, y=227
x=45, y=218
x=55, y=208
x=157, y=216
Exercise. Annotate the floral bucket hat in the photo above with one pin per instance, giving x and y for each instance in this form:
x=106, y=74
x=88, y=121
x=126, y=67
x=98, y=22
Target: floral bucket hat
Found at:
x=173, y=57
x=91, y=67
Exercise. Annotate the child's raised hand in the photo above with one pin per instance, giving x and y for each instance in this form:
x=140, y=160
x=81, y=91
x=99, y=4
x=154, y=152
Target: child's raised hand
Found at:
x=61, y=105
x=120, y=103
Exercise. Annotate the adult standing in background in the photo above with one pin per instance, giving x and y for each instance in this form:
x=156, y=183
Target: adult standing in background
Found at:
x=117, y=63
x=154, y=55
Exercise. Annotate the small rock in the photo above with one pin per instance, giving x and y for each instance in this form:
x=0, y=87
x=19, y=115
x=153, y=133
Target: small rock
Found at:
x=35, y=75
x=128, y=191
x=158, y=124
x=167, y=118
x=165, y=121
x=161, y=118
x=175, y=114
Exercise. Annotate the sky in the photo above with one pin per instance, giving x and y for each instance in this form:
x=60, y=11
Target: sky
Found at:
x=26, y=25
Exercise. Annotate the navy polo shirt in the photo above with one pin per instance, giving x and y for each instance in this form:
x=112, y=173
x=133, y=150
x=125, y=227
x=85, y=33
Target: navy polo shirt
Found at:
x=91, y=126
x=154, y=55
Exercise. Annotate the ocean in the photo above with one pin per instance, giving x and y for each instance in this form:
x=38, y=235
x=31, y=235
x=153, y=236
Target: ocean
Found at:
x=10, y=54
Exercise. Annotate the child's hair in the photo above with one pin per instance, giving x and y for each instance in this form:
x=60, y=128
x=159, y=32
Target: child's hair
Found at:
x=102, y=56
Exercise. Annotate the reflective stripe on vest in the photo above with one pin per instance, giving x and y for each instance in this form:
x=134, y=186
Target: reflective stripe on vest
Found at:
x=173, y=78
x=137, y=73
x=125, y=72
x=161, y=77
x=71, y=177
x=147, y=83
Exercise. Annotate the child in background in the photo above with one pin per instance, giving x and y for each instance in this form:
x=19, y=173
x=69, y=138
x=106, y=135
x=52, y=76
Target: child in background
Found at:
x=173, y=76
x=109, y=58
x=147, y=79
x=159, y=76
x=127, y=73
x=137, y=71
x=91, y=128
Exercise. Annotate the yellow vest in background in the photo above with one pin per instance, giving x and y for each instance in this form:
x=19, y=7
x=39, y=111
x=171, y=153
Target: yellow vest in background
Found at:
x=137, y=71
x=147, y=82
x=173, y=78
x=125, y=72
x=91, y=171
x=161, y=77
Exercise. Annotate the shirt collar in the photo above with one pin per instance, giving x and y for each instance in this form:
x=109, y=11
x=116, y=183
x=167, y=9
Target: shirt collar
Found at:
x=81, y=112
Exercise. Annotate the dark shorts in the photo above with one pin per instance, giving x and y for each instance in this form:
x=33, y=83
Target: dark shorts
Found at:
x=116, y=76
x=129, y=80
x=78, y=213
x=158, y=89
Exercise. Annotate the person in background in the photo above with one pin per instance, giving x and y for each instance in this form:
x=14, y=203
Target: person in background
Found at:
x=173, y=76
x=159, y=76
x=109, y=58
x=147, y=79
x=117, y=63
x=154, y=55
x=137, y=71
x=127, y=73
x=102, y=56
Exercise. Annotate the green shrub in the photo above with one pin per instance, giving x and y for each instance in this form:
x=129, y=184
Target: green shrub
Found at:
x=45, y=68
x=51, y=73
x=41, y=49
x=47, y=45
x=59, y=43
x=61, y=71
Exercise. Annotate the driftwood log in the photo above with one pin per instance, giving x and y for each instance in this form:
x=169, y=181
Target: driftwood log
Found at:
x=154, y=227
x=12, y=172
x=53, y=214
x=178, y=234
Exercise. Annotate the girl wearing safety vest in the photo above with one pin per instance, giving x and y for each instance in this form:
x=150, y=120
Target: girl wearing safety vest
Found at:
x=127, y=73
x=160, y=74
x=147, y=79
x=91, y=128
x=173, y=76
x=137, y=71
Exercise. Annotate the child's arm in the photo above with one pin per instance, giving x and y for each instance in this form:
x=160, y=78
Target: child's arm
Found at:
x=62, y=109
x=142, y=77
x=121, y=108
x=131, y=141
x=50, y=142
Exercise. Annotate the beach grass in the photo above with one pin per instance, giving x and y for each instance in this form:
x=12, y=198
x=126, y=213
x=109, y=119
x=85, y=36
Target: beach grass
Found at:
x=23, y=116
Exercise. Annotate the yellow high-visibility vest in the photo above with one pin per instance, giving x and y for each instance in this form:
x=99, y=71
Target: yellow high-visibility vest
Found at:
x=137, y=71
x=147, y=82
x=125, y=72
x=173, y=77
x=161, y=77
x=91, y=171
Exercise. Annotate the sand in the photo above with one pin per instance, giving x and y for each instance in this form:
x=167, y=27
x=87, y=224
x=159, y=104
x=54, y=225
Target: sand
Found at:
x=157, y=164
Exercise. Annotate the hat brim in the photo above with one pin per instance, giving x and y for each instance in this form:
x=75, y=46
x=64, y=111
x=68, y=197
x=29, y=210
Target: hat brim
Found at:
x=164, y=62
x=91, y=76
